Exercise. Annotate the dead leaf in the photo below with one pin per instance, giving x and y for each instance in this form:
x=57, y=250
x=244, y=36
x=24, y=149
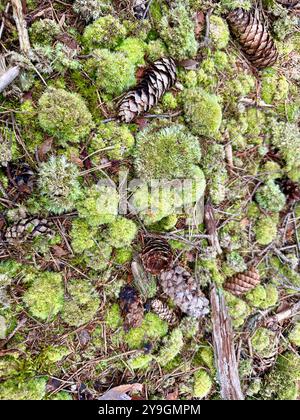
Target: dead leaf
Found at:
x=120, y=392
x=189, y=64
x=199, y=23
x=75, y=159
x=172, y=396
x=45, y=148
x=59, y=251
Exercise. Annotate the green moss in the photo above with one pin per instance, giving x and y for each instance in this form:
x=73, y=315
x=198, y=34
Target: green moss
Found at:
x=98, y=257
x=121, y=232
x=263, y=342
x=29, y=126
x=166, y=153
x=92, y=9
x=269, y=197
x=263, y=297
x=82, y=236
x=112, y=71
x=294, y=335
x=272, y=170
x=82, y=304
x=169, y=101
x=134, y=49
x=115, y=141
x=219, y=32
x=205, y=357
x=44, y=298
x=44, y=31
x=30, y=389
x=61, y=396
x=238, y=309
x=99, y=206
x=283, y=274
x=105, y=32
x=64, y=115
x=140, y=362
x=202, y=112
x=155, y=50
x=113, y=319
x=266, y=229
x=177, y=30
x=172, y=347
x=58, y=184
x=123, y=255
x=49, y=357
x=274, y=87
x=202, y=384
x=152, y=329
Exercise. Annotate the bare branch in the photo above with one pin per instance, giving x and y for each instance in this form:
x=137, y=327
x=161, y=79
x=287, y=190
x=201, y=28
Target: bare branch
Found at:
x=8, y=77
x=21, y=26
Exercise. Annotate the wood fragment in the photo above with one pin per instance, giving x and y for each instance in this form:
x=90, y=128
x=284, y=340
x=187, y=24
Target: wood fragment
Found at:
x=21, y=26
x=8, y=77
x=283, y=315
x=211, y=227
x=225, y=357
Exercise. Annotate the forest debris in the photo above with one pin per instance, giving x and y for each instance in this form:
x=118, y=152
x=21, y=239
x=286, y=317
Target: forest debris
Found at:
x=131, y=307
x=211, y=227
x=120, y=392
x=225, y=357
x=8, y=77
x=283, y=315
x=21, y=26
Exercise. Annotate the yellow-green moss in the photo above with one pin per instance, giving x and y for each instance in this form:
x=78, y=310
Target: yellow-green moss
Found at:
x=121, y=232
x=105, y=32
x=294, y=335
x=269, y=197
x=30, y=389
x=263, y=297
x=202, y=384
x=263, y=342
x=266, y=229
x=219, y=32
x=172, y=347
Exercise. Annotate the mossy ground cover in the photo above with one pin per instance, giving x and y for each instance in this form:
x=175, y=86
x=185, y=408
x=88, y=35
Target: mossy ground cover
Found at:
x=230, y=130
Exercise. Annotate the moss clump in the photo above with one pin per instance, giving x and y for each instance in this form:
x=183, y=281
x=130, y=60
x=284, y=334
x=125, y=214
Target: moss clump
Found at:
x=219, y=32
x=238, y=309
x=202, y=384
x=64, y=115
x=121, y=232
x=98, y=257
x=294, y=335
x=61, y=396
x=45, y=296
x=152, y=329
x=82, y=236
x=266, y=229
x=177, y=29
x=44, y=31
x=92, y=9
x=99, y=206
x=269, y=197
x=202, y=112
x=50, y=356
x=205, y=357
x=263, y=297
x=172, y=347
x=134, y=49
x=114, y=140
x=83, y=303
x=29, y=389
x=58, y=184
x=113, y=318
x=283, y=274
x=274, y=88
x=166, y=153
x=281, y=383
x=107, y=31
x=140, y=362
x=123, y=255
x=112, y=71
x=155, y=50
x=263, y=342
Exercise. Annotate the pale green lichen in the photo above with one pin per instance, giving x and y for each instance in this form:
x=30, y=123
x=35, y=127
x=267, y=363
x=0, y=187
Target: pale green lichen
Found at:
x=92, y=9
x=269, y=197
x=266, y=229
x=172, y=347
x=202, y=384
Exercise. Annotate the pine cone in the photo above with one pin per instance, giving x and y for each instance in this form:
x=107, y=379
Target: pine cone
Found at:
x=291, y=189
x=27, y=229
x=131, y=307
x=22, y=181
x=163, y=311
x=183, y=289
x=140, y=8
x=256, y=42
x=289, y=3
x=156, y=255
x=156, y=81
x=243, y=282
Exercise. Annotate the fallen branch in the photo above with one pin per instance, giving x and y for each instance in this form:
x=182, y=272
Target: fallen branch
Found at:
x=8, y=77
x=283, y=315
x=21, y=26
x=225, y=357
x=211, y=227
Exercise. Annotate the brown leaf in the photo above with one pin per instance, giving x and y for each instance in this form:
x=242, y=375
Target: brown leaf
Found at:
x=45, y=148
x=199, y=23
x=75, y=159
x=68, y=41
x=120, y=392
x=189, y=64
x=59, y=251
x=172, y=396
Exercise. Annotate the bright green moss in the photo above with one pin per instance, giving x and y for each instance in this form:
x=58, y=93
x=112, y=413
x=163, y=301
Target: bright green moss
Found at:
x=105, y=32
x=8, y=146
x=82, y=304
x=294, y=335
x=266, y=229
x=205, y=357
x=64, y=115
x=263, y=297
x=61, y=396
x=134, y=49
x=274, y=87
x=263, y=342
x=238, y=309
x=152, y=329
x=283, y=274
x=140, y=362
x=9, y=366
x=27, y=118
x=58, y=184
x=45, y=296
x=113, y=319
x=272, y=170
x=121, y=232
x=112, y=71
x=269, y=197
x=233, y=4
x=202, y=384
x=99, y=205
x=113, y=140
x=177, y=30
x=219, y=32
x=202, y=112
x=82, y=236
x=172, y=347
x=155, y=50
x=123, y=255
x=50, y=356
x=30, y=389
x=98, y=257
x=44, y=31
x=169, y=101
x=166, y=153
x=92, y=9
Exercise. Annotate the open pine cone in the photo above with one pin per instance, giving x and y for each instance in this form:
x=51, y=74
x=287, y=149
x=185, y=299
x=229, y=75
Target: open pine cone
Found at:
x=289, y=3
x=156, y=255
x=243, y=282
x=183, y=289
x=27, y=229
x=131, y=307
x=254, y=38
x=159, y=78
x=163, y=311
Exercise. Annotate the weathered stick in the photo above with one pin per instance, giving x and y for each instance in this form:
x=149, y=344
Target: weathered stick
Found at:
x=21, y=26
x=283, y=315
x=225, y=357
x=211, y=227
x=8, y=77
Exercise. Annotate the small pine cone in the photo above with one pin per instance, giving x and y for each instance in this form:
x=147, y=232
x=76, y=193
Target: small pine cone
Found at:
x=243, y=282
x=27, y=229
x=159, y=78
x=140, y=9
x=157, y=255
x=163, y=311
x=183, y=289
x=22, y=180
x=289, y=3
x=255, y=40
x=291, y=189
x=131, y=307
